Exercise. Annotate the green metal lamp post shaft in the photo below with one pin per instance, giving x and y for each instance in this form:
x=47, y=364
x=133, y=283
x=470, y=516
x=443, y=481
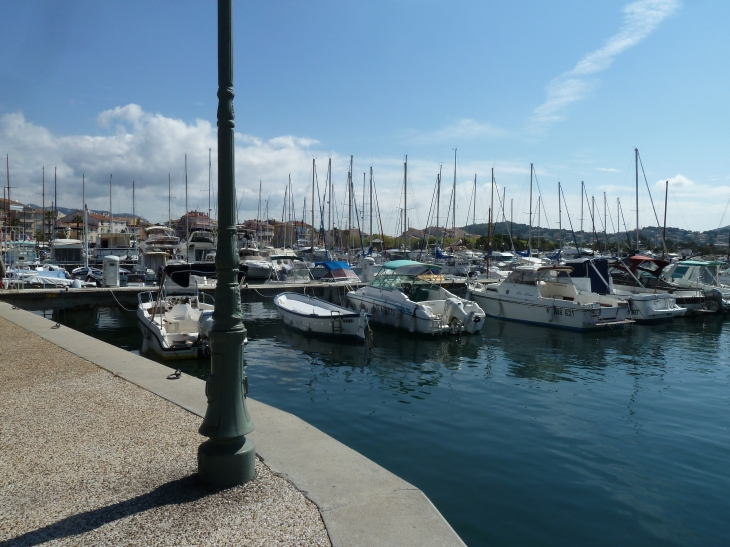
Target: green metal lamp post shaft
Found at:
x=227, y=458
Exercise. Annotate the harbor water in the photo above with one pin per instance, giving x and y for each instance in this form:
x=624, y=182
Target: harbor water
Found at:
x=520, y=435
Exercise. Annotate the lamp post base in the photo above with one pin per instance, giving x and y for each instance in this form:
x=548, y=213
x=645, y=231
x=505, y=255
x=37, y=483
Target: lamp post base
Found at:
x=226, y=464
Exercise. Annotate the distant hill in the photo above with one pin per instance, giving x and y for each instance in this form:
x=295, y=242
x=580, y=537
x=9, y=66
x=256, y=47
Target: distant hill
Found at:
x=69, y=210
x=718, y=236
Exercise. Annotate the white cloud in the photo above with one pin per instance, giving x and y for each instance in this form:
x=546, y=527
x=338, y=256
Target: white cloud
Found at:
x=459, y=130
x=143, y=146
x=676, y=182
x=607, y=169
x=641, y=18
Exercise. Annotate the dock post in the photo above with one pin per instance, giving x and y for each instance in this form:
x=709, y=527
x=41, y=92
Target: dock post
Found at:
x=227, y=458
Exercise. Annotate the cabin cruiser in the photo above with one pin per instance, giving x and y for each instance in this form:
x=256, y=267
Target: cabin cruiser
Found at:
x=405, y=295
x=337, y=271
x=160, y=238
x=257, y=268
x=548, y=296
x=121, y=244
x=197, y=246
x=592, y=275
x=698, y=274
x=67, y=252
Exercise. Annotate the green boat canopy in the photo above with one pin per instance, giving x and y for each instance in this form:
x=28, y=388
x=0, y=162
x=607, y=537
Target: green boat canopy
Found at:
x=410, y=267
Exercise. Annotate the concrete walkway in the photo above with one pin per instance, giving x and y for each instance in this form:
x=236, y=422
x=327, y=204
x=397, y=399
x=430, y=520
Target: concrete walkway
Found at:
x=88, y=458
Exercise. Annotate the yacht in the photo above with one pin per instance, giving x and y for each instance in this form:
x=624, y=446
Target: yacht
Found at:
x=405, y=294
x=548, y=296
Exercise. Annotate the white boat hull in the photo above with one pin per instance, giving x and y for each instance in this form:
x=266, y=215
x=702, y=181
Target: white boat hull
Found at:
x=315, y=316
x=173, y=331
x=447, y=315
x=549, y=312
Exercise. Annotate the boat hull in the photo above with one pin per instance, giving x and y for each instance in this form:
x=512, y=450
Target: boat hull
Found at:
x=392, y=308
x=315, y=316
x=549, y=312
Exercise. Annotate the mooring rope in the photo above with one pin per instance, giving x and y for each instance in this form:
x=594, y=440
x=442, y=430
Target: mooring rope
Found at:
x=118, y=302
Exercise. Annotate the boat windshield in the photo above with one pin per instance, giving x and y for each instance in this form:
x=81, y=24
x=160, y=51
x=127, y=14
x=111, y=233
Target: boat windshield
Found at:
x=555, y=276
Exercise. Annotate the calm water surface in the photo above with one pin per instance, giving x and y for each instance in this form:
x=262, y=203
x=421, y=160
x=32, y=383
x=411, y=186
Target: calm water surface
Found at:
x=519, y=435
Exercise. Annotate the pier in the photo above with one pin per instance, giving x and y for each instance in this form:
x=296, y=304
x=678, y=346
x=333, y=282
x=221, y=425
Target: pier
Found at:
x=99, y=445
x=126, y=297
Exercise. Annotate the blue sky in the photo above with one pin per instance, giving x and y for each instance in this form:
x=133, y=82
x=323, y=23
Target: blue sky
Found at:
x=129, y=87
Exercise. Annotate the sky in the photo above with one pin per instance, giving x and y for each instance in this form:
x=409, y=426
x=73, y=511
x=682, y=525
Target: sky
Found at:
x=124, y=90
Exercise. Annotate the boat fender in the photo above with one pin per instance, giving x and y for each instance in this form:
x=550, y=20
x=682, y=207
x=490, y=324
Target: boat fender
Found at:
x=551, y=313
x=412, y=326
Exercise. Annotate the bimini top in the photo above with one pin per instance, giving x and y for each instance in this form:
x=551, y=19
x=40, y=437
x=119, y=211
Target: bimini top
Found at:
x=701, y=263
x=410, y=267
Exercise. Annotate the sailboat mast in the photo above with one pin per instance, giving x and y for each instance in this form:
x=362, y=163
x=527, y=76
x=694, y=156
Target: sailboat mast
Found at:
x=453, y=216
x=511, y=219
x=258, y=214
x=83, y=204
x=55, y=201
x=636, y=163
x=7, y=171
x=329, y=179
x=187, y=216
x=111, y=216
x=210, y=167
x=438, y=197
x=405, y=202
x=529, y=228
x=605, y=220
x=489, y=224
x=539, y=202
x=371, y=206
x=474, y=210
x=560, y=219
x=169, y=199
x=133, y=210
x=44, y=204
x=312, y=210
x=593, y=219
x=664, y=232
x=349, y=207
x=582, y=191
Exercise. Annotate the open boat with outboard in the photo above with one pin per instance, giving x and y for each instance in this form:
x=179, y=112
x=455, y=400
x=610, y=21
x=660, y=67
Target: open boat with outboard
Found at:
x=316, y=316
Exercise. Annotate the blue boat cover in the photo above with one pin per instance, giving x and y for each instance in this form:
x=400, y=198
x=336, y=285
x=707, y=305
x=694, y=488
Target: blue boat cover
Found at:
x=334, y=265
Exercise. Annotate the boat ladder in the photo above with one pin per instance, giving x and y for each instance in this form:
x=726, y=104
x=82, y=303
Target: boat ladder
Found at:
x=336, y=320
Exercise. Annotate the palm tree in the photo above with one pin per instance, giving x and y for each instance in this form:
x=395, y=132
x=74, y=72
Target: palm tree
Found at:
x=77, y=219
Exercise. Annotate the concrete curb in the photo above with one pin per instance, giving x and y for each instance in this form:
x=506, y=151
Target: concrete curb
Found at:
x=361, y=503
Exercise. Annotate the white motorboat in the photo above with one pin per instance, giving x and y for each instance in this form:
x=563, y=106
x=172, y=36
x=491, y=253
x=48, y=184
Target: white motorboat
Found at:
x=592, y=275
x=641, y=274
x=547, y=296
x=257, y=267
x=316, y=316
x=175, y=327
x=703, y=275
x=405, y=295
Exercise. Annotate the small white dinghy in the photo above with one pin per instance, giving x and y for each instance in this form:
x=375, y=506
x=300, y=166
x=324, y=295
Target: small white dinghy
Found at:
x=314, y=315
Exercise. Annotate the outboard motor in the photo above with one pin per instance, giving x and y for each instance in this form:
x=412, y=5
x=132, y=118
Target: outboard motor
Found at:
x=205, y=325
x=715, y=302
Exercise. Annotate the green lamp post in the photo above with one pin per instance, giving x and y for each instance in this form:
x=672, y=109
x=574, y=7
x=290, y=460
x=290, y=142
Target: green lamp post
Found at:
x=227, y=458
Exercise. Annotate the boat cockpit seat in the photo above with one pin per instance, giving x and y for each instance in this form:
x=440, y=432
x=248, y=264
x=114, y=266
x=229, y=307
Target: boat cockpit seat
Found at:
x=178, y=313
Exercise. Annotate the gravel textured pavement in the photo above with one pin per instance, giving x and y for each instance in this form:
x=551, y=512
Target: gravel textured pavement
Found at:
x=87, y=458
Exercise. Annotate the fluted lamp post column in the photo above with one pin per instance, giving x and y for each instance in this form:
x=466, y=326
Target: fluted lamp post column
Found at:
x=227, y=458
